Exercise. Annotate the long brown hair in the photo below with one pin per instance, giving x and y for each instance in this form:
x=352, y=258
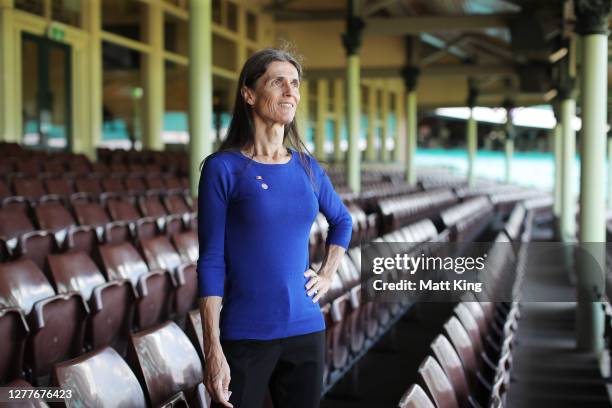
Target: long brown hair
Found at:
x=241, y=130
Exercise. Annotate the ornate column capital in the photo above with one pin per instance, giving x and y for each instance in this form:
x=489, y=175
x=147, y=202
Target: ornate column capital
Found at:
x=592, y=16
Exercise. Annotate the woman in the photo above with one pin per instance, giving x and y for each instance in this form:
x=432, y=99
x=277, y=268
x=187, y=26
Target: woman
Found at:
x=257, y=202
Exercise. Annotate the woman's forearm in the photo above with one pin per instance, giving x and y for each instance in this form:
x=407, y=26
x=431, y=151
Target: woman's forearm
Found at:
x=331, y=260
x=210, y=307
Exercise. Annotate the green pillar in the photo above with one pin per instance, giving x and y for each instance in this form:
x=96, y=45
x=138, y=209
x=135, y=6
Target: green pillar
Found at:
x=372, y=123
x=200, y=87
x=471, y=136
x=339, y=113
x=322, y=111
x=592, y=26
x=411, y=75
x=609, y=174
x=568, y=158
x=352, y=41
x=154, y=74
x=557, y=138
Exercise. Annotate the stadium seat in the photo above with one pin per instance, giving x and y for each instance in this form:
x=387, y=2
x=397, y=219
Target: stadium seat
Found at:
x=110, y=303
x=450, y=362
x=160, y=254
x=415, y=397
x=134, y=185
x=141, y=227
x=154, y=288
x=32, y=189
x=437, y=384
x=186, y=243
x=13, y=332
x=151, y=206
x=56, y=322
x=166, y=363
x=462, y=343
x=94, y=379
x=107, y=231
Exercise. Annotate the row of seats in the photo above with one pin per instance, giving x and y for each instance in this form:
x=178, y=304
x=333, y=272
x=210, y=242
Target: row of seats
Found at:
x=162, y=368
x=85, y=303
x=53, y=227
x=471, y=362
x=467, y=220
x=32, y=191
x=353, y=321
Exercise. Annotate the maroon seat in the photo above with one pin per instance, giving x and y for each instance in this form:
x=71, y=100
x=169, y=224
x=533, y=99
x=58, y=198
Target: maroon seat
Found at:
x=462, y=343
x=353, y=323
x=415, y=397
x=54, y=217
x=173, y=185
x=28, y=167
x=176, y=204
x=13, y=332
x=61, y=187
x=195, y=332
x=160, y=254
x=112, y=185
x=166, y=362
x=53, y=168
x=437, y=384
x=108, y=231
x=186, y=243
x=95, y=377
x=154, y=183
x=451, y=364
x=134, y=185
x=56, y=322
x=110, y=303
x=154, y=288
x=142, y=227
x=32, y=189
x=151, y=206
x=22, y=240
x=88, y=185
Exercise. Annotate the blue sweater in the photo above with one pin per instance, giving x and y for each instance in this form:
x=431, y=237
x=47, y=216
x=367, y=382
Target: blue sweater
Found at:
x=253, y=228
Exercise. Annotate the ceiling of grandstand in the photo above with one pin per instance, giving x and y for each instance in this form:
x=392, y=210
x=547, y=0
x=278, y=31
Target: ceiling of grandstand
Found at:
x=509, y=49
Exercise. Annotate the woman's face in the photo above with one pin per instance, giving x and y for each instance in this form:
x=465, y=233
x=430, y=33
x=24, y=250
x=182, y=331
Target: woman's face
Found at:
x=276, y=94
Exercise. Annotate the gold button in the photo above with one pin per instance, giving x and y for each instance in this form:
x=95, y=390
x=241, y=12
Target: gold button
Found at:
x=264, y=186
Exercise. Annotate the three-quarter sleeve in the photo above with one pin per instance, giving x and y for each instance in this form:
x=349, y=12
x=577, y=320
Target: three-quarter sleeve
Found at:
x=334, y=210
x=213, y=199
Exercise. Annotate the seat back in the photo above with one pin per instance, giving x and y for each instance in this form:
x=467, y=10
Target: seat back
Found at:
x=91, y=214
x=30, y=188
x=76, y=272
x=13, y=332
x=186, y=243
x=462, y=343
x=451, y=364
x=415, y=397
x=13, y=223
x=94, y=378
x=59, y=186
x=160, y=254
x=53, y=216
x=175, y=204
x=166, y=361
x=151, y=207
x=122, y=261
x=470, y=325
x=22, y=284
x=437, y=384
x=88, y=185
x=121, y=210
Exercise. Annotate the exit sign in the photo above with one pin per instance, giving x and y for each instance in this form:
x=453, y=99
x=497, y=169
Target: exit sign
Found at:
x=56, y=33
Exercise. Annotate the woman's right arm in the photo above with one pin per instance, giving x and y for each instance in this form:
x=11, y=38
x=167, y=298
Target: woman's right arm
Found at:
x=213, y=199
x=217, y=373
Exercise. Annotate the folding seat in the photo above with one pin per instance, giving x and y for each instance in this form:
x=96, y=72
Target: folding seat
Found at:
x=108, y=231
x=151, y=206
x=195, y=332
x=53, y=168
x=470, y=359
x=110, y=303
x=112, y=185
x=22, y=240
x=13, y=333
x=154, y=184
x=134, y=185
x=88, y=185
x=437, y=384
x=176, y=204
x=451, y=364
x=141, y=227
x=186, y=244
x=32, y=189
x=55, y=218
x=154, y=288
x=160, y=254
x=61, y=187
x=354, y=325
x=119, y=169
x=28, y=167
x=415, y=397
x=100, y=169
x=173, y=185
x=79, y=165
x=99, y=379
x=166, y=363
x=56, y=322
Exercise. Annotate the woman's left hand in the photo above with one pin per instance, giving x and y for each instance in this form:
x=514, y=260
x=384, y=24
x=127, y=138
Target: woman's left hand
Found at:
x=318, y=283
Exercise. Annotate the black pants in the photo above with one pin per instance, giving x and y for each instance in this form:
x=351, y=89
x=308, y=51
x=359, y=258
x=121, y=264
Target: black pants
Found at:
x=291, y=368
